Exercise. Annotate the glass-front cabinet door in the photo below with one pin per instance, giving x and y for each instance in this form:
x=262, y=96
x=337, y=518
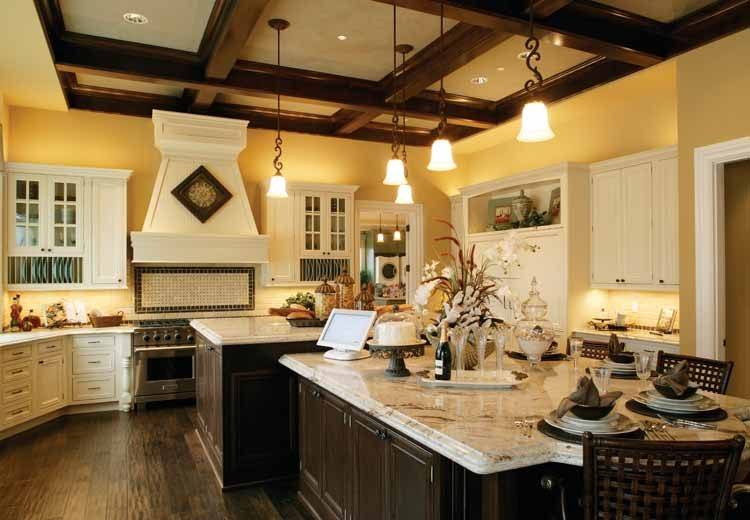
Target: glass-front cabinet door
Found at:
x=66, y=196
x=338, y=225
x=312, y=221
x=27, y=215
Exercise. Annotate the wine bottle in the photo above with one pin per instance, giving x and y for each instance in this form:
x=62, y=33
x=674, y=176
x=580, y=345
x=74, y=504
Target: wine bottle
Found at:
x=443, y=356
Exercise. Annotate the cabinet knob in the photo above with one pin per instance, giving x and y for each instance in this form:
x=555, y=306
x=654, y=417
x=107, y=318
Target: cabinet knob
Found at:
x=661, y=281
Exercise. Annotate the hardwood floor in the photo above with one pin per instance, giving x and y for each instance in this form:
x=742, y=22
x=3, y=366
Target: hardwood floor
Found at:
x=113, y=465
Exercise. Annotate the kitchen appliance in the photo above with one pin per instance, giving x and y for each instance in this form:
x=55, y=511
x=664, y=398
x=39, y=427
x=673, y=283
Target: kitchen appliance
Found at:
x=164, y=352
x=387, y=270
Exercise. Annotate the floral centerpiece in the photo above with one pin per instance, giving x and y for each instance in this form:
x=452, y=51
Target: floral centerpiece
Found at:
x=462, y=288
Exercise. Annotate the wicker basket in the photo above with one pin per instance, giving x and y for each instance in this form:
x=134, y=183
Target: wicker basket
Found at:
x=106, y=321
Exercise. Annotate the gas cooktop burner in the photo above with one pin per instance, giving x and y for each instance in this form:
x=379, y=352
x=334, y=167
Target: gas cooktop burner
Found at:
x=175, y=322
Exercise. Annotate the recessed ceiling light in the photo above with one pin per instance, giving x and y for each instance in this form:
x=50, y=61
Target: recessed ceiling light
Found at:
x=479, y=80
x=341, y=37
x=135, y=18
x=500, y=69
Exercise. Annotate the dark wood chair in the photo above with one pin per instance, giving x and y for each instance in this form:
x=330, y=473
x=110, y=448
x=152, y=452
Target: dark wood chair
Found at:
x=710, y=374
x=627, y=479
x=593, y=349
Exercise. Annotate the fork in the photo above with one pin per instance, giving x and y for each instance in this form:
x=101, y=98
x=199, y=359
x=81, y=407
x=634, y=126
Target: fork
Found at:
x=656, y=431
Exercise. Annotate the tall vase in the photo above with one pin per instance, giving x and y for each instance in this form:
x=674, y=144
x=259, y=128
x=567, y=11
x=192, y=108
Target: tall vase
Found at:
x=458, y=337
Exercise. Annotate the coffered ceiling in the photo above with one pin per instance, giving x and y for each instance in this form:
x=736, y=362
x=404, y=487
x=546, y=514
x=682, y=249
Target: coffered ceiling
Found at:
x=218, y=57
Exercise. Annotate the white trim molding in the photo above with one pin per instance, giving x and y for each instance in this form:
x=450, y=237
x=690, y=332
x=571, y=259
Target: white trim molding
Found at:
x=75, y=171
x=709, y=243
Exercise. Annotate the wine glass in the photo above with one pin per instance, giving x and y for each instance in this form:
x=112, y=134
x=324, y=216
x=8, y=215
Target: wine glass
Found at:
x=643, y=365
x=500, y=338
x=576, y=344
x=481, y=335
x=601, y=376
x=458, y=337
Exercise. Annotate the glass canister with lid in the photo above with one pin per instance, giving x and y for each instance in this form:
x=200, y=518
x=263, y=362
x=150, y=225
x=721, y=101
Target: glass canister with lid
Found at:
x=325, y=300
x=345, y=289
x=535, y=333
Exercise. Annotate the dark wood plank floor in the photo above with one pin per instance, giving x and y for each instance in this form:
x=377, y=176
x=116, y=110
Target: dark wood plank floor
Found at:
x=113, y=465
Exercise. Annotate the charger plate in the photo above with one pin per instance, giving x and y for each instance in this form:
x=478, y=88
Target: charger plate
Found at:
x=711, y=416
x=561, y=435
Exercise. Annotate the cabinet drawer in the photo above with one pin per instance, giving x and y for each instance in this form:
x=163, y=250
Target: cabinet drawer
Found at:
x=93, y=361
x=16, y=413
x=15, y=393
x=93, y=387
x=17, y=372
x=17, y=353
x=44, y=348
x=99, y=340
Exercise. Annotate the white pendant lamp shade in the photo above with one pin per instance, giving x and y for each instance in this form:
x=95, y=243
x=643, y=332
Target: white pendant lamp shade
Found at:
x=441, y=159
x=397, y=236
x=380, y=238
x=394, y=173
x=535, y=123
x=277, y=187
x=404, y=195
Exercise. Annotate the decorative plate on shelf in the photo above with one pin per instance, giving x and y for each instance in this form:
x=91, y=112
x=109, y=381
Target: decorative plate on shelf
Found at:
x=202, y=194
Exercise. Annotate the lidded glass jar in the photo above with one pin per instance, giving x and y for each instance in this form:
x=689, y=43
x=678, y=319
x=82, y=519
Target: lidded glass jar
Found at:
x=535, y=333
x=345, y=288
x=364, y=301
x=396, y=328
x=325, y=300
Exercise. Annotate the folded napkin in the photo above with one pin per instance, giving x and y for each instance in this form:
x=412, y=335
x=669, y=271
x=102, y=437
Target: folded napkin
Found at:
x=615, y=347
x=678, y=378
x=586, y=394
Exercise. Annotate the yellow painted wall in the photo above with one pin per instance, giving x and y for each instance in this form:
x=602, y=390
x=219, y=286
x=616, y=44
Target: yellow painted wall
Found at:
x=113, y=141
x=713, y=106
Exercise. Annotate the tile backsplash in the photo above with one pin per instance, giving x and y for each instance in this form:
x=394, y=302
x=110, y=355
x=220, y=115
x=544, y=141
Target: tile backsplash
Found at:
x=643, y=306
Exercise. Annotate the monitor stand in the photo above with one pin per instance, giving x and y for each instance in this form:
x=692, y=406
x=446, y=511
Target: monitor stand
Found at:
x=346, y=355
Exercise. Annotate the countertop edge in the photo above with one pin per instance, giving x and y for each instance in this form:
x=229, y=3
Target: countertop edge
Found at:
x=216, y=339
x=465, y=456
x=41, y=335
x=650, y=338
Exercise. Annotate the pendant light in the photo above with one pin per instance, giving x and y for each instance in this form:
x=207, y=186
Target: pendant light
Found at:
x=394, y=172
x=381, y=237
x=404, y=194
x=397, y=232
x=441, y=158
x=277, y=187
x=534, y=118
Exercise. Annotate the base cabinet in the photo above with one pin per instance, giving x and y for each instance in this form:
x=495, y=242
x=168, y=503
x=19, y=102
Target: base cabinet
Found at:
x=369, y=455
x=49, y=384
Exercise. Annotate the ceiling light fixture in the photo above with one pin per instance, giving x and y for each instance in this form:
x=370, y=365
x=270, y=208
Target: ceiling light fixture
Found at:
x=441, y=158
x=394, y=171
x=534, y=117
x=397, y=232
x=479, y=80
x=341, y=37
x=135, y=18
x=277, y=187
x=501, y=69
x=380, y=237
x=404, y=193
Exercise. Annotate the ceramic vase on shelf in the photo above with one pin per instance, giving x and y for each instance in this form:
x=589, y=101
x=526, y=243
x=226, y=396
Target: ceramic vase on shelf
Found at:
x=534, y=332
x=522, y=207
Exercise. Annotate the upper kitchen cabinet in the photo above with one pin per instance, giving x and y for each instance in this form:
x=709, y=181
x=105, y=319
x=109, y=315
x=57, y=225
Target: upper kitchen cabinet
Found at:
x=311, y=233
x=634, y=214
x=66, y=227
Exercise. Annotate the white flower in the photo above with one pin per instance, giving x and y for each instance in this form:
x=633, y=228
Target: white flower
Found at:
x=424, y=291
x=447, y=272
x=430, y=269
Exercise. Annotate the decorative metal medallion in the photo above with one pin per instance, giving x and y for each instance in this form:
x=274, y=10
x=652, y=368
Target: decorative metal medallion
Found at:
x=202, y=194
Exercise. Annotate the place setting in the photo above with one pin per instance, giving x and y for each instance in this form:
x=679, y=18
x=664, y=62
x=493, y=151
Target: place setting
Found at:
x=675, y=398
x=588, y=410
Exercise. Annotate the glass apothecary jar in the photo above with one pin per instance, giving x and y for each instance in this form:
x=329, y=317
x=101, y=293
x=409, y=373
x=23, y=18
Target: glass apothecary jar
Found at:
x=535, y=333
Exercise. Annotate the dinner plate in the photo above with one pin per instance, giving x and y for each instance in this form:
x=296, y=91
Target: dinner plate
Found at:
x=656, y=396
x=621, y=425
x=705, y=405
x=615, y=364
x=605, y=425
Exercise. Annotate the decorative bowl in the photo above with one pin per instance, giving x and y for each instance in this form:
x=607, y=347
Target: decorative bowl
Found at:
x=591, y=413
x=667, y=391
x=622, y=357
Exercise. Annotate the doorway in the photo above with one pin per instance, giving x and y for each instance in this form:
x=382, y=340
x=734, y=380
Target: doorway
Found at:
x=737, y=273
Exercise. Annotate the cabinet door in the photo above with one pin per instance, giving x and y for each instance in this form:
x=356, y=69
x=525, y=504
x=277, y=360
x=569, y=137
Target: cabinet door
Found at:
x=606, y=214
x=339, y=224
x=49, y=384
x=282, y=265
x=410, y=476
x=201, y=383
x=336, y=462
x=215, y=415
x=369, y=454
x=666, y=223
x=108, y=232
x=66, y=216
x=27, y=215
x=312, y=223
x=637, y=254
x=311, y=436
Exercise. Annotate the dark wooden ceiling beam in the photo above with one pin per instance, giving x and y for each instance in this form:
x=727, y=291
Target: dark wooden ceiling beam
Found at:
x=545, y=8
x=349, y=121
x=237, y=21
x=570, y=26
x=705, y=25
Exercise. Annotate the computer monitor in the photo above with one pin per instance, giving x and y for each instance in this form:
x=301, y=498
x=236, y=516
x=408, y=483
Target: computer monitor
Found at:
x=346, y=332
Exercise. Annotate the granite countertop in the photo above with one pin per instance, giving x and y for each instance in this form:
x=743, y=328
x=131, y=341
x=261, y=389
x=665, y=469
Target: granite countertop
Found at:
x=635, y=334
x=476, y=428
x=248, y=331
x=14, y=338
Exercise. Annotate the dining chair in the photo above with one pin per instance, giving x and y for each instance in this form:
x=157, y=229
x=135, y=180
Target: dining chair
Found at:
x=710, y=374
x=658, y=480
x=593, y=349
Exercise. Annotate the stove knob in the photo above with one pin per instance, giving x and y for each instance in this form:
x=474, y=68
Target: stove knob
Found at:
x=157, y=337
x=190, y=338
x=146, y=337
x=167, y=337
x=177, y=336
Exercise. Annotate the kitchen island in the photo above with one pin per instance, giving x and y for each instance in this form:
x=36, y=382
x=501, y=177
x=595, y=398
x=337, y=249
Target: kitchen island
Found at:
x=246, y=401
x=373, y=446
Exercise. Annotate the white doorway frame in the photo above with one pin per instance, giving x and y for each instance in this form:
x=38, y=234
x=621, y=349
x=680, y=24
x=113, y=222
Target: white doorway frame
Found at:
x=710, y=316
x=414, y=214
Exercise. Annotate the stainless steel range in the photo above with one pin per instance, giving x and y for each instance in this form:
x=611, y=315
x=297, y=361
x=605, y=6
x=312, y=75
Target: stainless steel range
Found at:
x=164, y=352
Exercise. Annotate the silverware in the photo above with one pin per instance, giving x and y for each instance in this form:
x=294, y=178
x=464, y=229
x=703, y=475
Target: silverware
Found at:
x=685, y=423
x=656, y=431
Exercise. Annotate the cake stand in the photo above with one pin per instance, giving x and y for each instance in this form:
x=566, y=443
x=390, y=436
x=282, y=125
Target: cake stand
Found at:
x=396, y=354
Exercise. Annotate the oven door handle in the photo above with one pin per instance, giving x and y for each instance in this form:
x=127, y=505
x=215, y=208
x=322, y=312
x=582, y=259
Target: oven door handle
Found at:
x=165, y=348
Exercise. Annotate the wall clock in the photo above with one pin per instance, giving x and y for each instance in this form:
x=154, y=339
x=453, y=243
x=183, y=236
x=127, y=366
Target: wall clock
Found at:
x=202, y=194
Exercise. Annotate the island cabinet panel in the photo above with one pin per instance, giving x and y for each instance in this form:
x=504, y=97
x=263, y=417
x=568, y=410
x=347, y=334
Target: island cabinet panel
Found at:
x=335, y=485
x=369, y=454
x=411, y=474
x=247, y=410
x=311, y=437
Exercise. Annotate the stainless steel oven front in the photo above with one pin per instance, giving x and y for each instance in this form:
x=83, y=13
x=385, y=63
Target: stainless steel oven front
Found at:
x=164, y=373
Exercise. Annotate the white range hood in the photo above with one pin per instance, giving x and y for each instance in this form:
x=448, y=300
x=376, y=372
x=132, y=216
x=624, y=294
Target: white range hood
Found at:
x=173, y=235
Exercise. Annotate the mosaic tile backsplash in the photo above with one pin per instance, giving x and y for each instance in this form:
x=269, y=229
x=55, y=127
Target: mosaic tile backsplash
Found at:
x=191, y=289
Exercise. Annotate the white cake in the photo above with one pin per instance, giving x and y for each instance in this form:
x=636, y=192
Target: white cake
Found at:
x=396, y=333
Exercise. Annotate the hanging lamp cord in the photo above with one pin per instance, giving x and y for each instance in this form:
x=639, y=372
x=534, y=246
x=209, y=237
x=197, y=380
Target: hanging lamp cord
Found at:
x=277, y=164
x=443, y=120
x=394, y=119
x=403, y=119
x=532, y=56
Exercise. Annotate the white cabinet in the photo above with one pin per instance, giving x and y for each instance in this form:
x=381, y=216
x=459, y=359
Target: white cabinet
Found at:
x=49, y=384
x=326, y=224
x=66, y=227
x=634, y=233
x=278, y=223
